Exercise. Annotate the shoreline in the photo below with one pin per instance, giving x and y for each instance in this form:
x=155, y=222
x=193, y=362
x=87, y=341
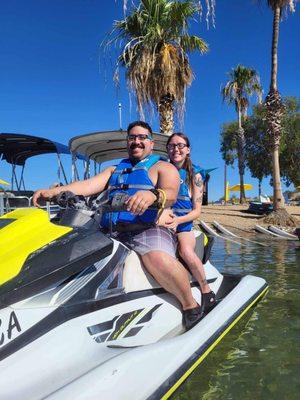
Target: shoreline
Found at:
x=236, y=217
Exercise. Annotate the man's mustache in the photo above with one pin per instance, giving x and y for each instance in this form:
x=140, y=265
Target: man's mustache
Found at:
x=136, y=145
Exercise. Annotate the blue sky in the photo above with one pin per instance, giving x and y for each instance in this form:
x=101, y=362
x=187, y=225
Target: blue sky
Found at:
x=53, y=85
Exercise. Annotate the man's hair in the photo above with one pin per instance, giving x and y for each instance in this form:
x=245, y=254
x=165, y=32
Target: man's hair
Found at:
x=139, y=123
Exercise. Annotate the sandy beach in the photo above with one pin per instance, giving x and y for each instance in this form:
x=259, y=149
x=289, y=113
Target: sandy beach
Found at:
x=235, y=217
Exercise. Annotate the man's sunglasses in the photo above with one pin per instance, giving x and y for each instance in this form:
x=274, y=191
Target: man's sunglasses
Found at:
x=180, y=146
x=141, y=137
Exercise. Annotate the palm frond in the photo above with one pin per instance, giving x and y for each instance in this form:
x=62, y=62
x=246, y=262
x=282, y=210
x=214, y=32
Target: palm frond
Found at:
x=243, y=83
x=155, y=44
x=287, y=4
x=193, y=43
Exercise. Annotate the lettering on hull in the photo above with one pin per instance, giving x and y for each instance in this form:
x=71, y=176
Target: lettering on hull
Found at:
x=9, y=328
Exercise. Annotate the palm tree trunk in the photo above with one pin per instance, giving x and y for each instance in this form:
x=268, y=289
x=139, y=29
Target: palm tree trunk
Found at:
x=275, y=36
x=259, y=188
x=241, y=156
x=275, y=110
x=166, y=115
x=278, y=199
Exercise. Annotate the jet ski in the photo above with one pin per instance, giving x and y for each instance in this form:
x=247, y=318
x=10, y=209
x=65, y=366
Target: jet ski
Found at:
x=80, y=318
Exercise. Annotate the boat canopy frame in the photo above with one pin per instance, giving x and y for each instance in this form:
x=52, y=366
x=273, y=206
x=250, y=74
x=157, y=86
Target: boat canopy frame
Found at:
x=99, y=147
x=16, y=148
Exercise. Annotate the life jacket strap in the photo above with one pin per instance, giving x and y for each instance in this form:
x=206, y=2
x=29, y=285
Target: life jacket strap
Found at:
x=184, y=198
x=126, y=186
x=182, y=210
x=128, y=227
x=129, y=170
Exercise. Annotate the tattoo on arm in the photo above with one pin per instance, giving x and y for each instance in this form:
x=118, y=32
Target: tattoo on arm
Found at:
x=199, y=184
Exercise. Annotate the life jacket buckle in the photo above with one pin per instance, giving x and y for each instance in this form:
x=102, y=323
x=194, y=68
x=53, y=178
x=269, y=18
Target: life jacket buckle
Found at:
x=127, y=171
x=124, y=186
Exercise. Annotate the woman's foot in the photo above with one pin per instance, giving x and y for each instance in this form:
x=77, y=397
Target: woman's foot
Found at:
x=208, y=301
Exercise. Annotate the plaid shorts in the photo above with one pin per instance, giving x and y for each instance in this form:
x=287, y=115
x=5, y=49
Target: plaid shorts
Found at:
x=157, y=238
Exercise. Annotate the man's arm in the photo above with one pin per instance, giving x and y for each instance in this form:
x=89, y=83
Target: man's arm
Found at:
x=169, y=181
x=166, y=177
x=87, y=187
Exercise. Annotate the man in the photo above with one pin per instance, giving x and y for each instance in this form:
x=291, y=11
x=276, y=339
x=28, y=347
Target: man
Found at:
x=156, y=245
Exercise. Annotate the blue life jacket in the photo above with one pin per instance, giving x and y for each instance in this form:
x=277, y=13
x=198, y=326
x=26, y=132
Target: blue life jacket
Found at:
x=184, y=204
x=128, y=178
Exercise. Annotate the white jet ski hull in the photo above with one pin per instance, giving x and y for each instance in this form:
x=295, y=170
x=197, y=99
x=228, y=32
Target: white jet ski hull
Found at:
x=76, y=361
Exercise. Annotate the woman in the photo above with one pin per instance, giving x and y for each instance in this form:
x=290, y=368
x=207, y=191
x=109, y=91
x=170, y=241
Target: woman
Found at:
x=186, y=209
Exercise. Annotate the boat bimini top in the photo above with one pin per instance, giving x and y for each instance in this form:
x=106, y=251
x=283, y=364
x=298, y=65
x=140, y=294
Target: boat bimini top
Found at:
x=110, y=145
x=16, y=148
x=100, y=147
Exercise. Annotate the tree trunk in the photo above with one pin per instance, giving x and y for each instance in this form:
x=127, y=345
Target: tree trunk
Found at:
x=166, y=115
x=259, y=188
x=275, y=110
x=241, y=156
x=275, y=36
x=278, y=199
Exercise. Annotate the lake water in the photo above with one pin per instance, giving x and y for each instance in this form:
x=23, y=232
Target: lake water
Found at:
x=260, y=358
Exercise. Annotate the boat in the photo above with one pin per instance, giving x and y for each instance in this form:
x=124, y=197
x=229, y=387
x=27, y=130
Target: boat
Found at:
x=15, y=150
x=259, y=208
x=81, y=318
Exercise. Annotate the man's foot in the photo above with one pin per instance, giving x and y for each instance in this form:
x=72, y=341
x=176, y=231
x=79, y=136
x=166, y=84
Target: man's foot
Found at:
x=208, y=301
x=192, y=316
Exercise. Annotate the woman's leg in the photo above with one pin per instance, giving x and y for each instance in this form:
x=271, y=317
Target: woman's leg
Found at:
x=186, y=248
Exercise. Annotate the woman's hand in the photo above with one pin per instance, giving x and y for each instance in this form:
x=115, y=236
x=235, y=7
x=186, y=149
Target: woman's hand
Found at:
x=168, y=220
x=172, y=224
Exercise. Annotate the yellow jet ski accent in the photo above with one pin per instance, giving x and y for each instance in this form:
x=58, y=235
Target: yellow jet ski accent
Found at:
x=30, y=231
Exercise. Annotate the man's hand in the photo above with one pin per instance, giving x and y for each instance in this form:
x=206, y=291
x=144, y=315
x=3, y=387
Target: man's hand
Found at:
x=140, y=201
x=44, y=194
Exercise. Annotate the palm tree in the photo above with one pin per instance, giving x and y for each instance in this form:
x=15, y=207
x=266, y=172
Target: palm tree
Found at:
x=155, y=43
x=273, y=102
x=243, y=83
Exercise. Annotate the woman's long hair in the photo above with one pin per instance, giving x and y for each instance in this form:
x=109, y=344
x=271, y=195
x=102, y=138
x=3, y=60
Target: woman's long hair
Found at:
x=187, y=165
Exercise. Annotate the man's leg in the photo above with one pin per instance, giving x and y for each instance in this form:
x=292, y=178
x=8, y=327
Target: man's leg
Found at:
x=171, y=275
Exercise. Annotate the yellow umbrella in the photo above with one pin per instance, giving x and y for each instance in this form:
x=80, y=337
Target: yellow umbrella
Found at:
x=2, y=182
x=237, y=188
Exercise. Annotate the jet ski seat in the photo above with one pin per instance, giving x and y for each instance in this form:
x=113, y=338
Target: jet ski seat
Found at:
x=135, y=276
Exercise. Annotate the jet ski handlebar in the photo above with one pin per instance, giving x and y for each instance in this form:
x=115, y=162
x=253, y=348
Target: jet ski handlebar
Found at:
x=101, y=203
x=69, y=199
x=78, y=212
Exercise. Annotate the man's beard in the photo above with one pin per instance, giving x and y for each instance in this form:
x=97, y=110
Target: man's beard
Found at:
x=134, y=146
